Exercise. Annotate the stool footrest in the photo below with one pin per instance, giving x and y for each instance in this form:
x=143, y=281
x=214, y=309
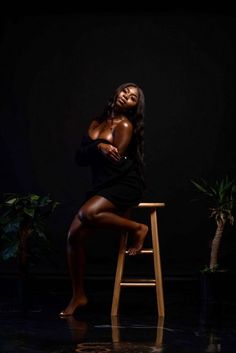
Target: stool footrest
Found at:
x=144, y=251
x=141, y=282
x=138, y=284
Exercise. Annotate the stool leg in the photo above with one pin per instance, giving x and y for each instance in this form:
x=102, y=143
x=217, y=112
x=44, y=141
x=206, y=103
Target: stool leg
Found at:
x=115, y=325
x=157, y=263
x=119, y=274
x=160, y=327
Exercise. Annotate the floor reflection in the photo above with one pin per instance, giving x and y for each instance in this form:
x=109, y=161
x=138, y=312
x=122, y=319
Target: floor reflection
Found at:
x=189, y=326
x=214, y=344
x=122, y=335
x=211, y=316
x=117, y=326
x=77, y=328
x=123, y=347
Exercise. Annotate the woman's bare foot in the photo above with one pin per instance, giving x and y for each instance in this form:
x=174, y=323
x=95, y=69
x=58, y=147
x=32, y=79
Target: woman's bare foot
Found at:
x=74, y=304
x=139, y=238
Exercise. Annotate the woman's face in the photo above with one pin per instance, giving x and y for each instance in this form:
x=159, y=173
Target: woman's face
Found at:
x=127, y=98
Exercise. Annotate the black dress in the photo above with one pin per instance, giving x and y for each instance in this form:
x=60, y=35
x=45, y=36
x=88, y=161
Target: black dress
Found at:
x=119, y=182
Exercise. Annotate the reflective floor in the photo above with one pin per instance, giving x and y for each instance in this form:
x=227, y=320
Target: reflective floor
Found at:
x=190, y=324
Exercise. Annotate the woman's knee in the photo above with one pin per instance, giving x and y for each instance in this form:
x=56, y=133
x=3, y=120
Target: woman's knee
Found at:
x=75, y=232
x=86, y=215
x=93, y=209
x=75, y=237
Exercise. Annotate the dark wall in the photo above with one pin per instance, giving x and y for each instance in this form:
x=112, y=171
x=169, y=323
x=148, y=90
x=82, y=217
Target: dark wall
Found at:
x=58, y=71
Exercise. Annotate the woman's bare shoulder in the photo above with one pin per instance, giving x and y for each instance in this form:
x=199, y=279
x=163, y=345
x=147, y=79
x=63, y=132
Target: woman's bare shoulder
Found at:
x=125, y=123
x=93, y=123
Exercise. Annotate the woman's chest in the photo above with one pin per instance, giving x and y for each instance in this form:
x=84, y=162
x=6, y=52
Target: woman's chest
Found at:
x=104, y=130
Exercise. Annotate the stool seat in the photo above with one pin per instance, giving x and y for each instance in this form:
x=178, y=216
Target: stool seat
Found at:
x=154, y=251
x=150, y=205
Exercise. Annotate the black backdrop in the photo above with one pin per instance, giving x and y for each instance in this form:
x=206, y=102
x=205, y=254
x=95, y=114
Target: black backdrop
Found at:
x=58, y=69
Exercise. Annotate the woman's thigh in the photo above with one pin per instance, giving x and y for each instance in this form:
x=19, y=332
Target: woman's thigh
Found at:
x=96, y=205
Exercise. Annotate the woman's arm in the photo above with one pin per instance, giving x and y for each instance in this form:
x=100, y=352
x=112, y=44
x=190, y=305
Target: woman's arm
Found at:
x=86, y=152
x=122, y=136
x=121, y=139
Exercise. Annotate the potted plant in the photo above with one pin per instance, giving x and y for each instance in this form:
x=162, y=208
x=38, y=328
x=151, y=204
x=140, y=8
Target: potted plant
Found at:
x=23, y=222
x=220, y=197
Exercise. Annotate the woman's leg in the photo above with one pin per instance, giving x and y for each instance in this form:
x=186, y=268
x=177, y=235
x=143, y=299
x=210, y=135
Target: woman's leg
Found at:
x=100, y=212
x=97, y=212
x=76, y=265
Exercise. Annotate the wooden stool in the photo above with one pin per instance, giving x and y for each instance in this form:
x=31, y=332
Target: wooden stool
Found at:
x=157, y=282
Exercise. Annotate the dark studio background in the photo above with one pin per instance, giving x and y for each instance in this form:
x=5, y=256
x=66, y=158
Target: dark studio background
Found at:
x=58, y=70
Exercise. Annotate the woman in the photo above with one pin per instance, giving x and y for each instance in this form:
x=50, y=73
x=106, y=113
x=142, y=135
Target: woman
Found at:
x=113, y=148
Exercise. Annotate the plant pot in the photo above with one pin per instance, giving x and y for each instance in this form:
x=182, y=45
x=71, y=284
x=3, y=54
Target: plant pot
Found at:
x=212, y=293
x=23, y=292
x=213, y=286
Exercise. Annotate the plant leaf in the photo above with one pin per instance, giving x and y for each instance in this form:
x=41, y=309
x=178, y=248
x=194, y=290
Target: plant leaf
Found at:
x=11, y=251
x=29, y=211
x=34, y=197
x=11, y=201
x=12, y=227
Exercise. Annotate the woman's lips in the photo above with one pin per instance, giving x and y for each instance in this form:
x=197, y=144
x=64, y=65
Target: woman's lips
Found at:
x=121, y=101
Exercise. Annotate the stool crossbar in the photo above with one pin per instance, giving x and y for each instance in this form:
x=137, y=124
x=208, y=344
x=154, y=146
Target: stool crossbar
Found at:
x=155, y=251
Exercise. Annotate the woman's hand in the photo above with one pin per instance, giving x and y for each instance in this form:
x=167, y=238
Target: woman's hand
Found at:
x=109, y=151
